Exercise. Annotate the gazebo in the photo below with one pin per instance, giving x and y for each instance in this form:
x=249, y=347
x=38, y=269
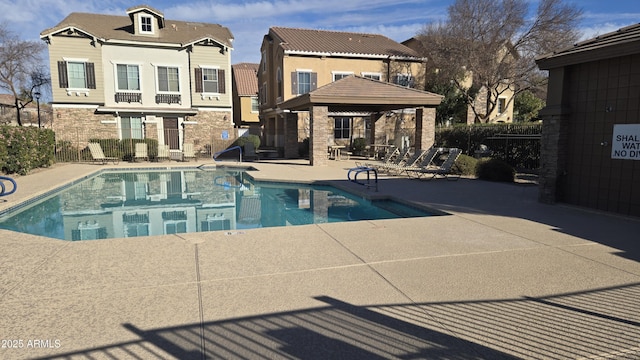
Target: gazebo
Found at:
x=355, y=94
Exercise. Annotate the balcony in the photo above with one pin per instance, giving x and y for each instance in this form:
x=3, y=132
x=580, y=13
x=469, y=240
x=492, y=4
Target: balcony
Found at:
x=168, y=99
x=128, y=97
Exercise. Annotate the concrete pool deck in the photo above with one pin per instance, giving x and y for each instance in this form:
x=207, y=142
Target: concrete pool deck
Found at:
x=501, y=277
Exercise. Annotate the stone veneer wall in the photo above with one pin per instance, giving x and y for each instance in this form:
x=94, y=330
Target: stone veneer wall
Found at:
x=209, y=129
x=80, y=125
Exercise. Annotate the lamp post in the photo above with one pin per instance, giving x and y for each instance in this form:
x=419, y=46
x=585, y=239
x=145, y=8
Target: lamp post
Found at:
x=37, y=95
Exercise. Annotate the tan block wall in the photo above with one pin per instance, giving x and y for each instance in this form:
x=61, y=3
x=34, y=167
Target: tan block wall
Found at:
x=82, y=124
x=209, y=129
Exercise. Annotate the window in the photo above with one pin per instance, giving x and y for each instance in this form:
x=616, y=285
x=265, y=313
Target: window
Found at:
x=341, y=75
x=304, y=82
x=128, y=77
x=146, y=24
x=374, y=76
x=168, y=79
x=131, y=127
x=342, y=128
x=255, y=105
x=502, y=104
x=264, y=60
x=210, y=80
x=76, y=74
x=403, y=80
x=279, y=82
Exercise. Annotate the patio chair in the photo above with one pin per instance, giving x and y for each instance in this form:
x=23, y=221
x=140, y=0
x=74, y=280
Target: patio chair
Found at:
x=98, y=155
x=163, y=152
x=394, y=158
x=188, y=152
x=396, y=169
x=427, y=160
x=444, y=170
x=142, y=151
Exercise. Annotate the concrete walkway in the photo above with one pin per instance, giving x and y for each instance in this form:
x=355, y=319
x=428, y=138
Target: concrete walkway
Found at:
x=501, y=277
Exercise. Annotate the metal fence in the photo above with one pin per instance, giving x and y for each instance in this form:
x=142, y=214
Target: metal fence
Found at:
x=72, y=146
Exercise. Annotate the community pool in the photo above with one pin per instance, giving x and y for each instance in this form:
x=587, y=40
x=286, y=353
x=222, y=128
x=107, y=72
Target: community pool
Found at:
x=118, y=204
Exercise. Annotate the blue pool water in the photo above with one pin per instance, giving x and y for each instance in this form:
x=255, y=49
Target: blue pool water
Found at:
x=127, y=204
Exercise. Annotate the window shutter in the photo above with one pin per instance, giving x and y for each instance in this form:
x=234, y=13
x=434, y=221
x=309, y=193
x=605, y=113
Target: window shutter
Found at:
x=198, y=79
x=294, y=83
x=314, y=81
x=62, y=74
x=91, y=75
x=221, y=81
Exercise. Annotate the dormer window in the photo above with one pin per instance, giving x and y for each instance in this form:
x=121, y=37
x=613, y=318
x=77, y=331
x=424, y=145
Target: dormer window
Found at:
x=146, y=24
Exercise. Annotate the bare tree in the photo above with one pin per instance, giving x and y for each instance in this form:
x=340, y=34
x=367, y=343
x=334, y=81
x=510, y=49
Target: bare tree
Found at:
x=22, y=72
x=490, y=46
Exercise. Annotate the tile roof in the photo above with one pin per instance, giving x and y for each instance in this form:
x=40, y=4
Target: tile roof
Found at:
x=337, y=43
x=355, y=93
x=245, y=78
x=623, y=41
x=111, y=27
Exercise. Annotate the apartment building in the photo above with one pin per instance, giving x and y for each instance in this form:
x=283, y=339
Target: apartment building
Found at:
x=298, y=62
x=141, y=76
x=245, y=95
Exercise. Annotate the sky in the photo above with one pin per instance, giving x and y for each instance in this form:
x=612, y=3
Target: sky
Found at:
x=250, y=20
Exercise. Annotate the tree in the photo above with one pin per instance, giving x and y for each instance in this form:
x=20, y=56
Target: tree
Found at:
x=21, y=69
x=526, y=105
x=488, y=45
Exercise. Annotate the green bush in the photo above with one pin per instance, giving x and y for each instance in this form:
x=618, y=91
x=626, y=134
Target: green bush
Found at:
x=493, y=169
x=358, y=146
x=465, y=165
x=255, y=139
x=23, y=149
x=519, y=153
x=303, y=148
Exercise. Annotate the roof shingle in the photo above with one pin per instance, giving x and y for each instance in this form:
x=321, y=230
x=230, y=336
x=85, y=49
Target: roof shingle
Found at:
x=111, y=27
x=340, y=43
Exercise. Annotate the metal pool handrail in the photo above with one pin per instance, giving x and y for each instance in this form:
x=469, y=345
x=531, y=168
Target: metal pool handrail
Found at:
x=3, y=191
x=361, y=169
x=229, y=149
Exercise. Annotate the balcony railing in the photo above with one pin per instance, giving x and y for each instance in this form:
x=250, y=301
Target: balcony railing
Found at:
x=168, y=99
x=128, y=97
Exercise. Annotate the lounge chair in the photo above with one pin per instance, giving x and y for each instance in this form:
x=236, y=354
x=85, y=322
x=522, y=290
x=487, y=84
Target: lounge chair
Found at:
x=188, y=152
x=387, y=159
x=443, y=170
x=427, y=160
x=395, y=169
x=142, y=151
x=163, y=152
x=98, y=155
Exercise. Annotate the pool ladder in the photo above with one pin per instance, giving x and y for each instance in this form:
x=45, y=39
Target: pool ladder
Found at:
x=362, y=169
x=3, y=189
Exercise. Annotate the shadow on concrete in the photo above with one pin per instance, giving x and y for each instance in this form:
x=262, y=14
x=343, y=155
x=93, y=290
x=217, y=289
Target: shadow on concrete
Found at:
x=603, y=323
x=514, y=200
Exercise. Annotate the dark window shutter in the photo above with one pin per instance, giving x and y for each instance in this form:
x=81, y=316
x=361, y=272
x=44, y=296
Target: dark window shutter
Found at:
x=75, y=234
x=314, y=81
x=221, y=82
x=91, y=75
x=198, y=79
x=62, y=74
x=294, y=83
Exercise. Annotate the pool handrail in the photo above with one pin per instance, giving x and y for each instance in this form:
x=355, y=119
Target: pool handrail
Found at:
x=360, y=169
x=3, y=191
x=229, y=149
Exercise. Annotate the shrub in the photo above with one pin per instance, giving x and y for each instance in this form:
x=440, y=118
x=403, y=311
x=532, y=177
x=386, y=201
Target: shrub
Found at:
x=23, y=149
x=303, y=148
x=359, y=144
x=465, y=165
x=255, y=139
x=495, y=170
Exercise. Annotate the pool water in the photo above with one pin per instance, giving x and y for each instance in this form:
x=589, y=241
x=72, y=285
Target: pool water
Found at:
x=119, y=204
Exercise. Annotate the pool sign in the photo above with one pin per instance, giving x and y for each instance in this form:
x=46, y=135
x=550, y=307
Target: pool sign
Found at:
x=626, y=142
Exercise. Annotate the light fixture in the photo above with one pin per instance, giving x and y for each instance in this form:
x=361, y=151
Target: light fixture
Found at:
x=37, y=96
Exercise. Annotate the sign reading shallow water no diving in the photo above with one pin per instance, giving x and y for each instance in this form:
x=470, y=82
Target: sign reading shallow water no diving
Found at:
x=626, y=142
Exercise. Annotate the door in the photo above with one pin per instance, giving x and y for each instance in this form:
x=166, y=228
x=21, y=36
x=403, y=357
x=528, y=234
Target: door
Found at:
x=171, y=134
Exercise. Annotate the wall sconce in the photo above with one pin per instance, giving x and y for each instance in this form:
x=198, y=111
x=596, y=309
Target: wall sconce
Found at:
x=224, y=118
